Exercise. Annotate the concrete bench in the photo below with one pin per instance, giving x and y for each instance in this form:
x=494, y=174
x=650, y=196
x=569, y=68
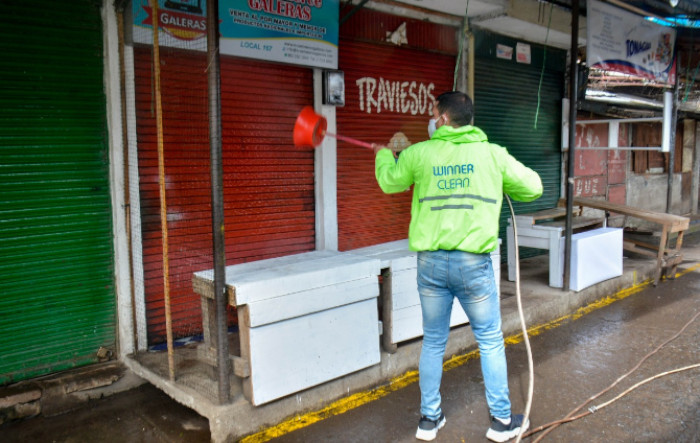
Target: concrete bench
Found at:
x=402, y=318
x=303, y=320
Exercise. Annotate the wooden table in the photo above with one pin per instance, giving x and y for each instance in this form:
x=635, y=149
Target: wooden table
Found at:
x=667, y=257
x=543, y=230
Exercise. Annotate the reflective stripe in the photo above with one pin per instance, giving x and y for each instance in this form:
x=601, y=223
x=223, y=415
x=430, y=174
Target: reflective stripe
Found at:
x=440, y=208
x=445, y=197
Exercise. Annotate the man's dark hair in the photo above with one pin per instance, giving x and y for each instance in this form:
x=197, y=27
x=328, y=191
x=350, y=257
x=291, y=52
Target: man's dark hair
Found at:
x=457, y=105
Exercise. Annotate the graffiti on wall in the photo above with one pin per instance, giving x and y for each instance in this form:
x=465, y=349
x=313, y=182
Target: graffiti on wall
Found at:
x=403, y=97
x=589, y=186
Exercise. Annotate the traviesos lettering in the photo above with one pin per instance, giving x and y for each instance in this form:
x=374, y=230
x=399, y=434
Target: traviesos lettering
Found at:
x=396, y=96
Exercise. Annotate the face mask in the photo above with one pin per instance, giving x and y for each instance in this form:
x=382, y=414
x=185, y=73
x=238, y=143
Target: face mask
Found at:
x=432, y=126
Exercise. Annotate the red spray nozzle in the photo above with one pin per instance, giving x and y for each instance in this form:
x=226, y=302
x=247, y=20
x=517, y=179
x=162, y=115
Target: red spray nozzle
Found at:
x=310, y=130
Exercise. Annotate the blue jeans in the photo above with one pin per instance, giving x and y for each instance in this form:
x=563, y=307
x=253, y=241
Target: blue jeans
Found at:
x=443, y=275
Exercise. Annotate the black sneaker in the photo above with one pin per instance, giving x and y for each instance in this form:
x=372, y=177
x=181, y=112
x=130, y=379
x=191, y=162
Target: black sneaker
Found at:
x=499, y=432
x=428, y=429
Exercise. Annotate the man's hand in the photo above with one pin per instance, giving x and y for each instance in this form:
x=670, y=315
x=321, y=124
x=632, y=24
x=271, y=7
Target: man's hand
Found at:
x=376, y=148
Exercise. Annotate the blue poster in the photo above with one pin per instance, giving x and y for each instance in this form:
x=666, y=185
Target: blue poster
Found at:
x=624, y=42
x=182, y=23
x=301, y=32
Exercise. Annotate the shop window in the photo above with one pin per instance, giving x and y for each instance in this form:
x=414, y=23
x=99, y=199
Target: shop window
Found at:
x=654, y=162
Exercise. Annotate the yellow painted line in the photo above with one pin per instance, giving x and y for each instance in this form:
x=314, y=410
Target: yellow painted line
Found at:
x=348, y=403
x=336, y=408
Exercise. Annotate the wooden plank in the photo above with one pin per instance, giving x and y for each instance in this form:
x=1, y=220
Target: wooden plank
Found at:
x=244, y=338
x=631, y=247
x=314, y=300
x=388, y=342
x=673, y=222
x=576, y=223
x=241, y=368
x=646, y=245
x=545, y=214
x=272, y=278
x=295, y=354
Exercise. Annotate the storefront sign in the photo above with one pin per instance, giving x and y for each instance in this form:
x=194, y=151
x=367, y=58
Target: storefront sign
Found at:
x=402, y=97
x=624, y=42
x=183, y=23
x=302, y=32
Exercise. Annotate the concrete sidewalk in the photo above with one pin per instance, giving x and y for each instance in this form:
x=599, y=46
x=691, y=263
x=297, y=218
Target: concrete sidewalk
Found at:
x=575, y=358
x=543, y=305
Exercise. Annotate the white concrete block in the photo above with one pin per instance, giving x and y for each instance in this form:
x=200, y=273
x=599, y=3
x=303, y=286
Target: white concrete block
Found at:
x=292, y=355
x=405, y=322
x=314, y=300
x=393, y=254
x=266, y=279
x=596, y=256
x=408, y=321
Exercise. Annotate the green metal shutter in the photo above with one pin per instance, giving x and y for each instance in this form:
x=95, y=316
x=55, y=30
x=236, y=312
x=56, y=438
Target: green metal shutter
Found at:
x=506, y=102
x=57, y=299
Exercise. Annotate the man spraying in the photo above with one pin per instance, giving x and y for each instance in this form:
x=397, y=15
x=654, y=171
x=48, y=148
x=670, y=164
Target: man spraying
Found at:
x=459, y=179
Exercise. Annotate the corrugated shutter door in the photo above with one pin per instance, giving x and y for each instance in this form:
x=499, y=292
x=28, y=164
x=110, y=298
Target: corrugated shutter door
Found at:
x=268, y=183
x=376, y=110
x=57, y=302
x=506, y=103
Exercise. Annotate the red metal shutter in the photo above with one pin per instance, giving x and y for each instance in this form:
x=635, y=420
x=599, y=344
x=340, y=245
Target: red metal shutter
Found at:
x=388, y=89
x=268, y=183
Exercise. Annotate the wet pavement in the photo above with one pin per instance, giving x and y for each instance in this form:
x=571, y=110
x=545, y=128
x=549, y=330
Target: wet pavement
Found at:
x=573, y=361
x=141, y=415
x=575, y=358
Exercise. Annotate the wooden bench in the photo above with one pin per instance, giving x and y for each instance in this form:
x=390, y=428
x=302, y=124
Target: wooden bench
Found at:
x=667, y=257
x=543, y=230
x=303, y=320
x=402, y=318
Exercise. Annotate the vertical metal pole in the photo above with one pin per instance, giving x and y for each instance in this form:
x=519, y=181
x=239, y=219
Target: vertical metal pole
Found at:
x=672, y=144
x=217, y=197
x=573, y=105
x=127, y=185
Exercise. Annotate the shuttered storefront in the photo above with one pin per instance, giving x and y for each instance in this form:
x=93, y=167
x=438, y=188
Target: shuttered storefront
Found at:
x=57, y=298
x=268, y=183
x=389, y=91
x=509, y=109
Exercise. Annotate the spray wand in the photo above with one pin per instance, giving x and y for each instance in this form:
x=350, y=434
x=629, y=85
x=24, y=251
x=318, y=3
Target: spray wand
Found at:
x=310, y=130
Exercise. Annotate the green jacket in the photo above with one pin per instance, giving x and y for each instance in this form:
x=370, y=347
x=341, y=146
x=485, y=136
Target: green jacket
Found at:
x=459, y=182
